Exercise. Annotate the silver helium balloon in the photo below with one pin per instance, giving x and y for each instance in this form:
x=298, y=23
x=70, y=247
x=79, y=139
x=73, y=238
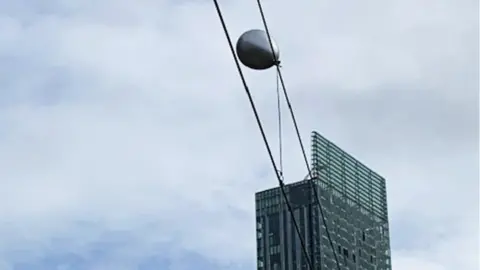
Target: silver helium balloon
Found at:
x=255, y=52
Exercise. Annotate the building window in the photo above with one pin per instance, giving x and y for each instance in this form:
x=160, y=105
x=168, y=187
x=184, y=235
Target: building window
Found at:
x=345, y=252
x=259, y=225
x=274, y=250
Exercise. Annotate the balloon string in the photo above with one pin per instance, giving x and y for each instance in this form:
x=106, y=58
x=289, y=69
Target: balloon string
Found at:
x=279, y=114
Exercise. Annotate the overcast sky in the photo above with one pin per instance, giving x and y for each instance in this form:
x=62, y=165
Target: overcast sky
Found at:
x=127, y=142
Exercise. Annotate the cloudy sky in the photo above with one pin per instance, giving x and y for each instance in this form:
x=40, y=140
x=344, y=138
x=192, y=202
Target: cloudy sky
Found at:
x=127, y=142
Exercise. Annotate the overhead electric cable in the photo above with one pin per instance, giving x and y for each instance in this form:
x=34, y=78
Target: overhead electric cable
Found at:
x=267, y=146
x=317, y=200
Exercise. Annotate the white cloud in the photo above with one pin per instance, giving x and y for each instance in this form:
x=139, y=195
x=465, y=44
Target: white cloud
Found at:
x=151, y=125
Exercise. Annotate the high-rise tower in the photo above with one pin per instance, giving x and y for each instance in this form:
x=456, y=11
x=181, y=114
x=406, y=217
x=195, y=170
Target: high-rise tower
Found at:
x=354, y=203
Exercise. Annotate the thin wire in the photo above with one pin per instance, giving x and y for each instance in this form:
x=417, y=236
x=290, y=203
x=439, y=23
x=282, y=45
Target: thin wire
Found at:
x=257, y=118
x=297, y=131
x=280, y=139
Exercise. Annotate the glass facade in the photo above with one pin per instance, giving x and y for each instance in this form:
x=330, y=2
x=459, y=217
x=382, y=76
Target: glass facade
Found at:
x=354, y=204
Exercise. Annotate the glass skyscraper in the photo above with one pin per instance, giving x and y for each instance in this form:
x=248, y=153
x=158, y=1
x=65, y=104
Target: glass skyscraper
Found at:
x=354, y=203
